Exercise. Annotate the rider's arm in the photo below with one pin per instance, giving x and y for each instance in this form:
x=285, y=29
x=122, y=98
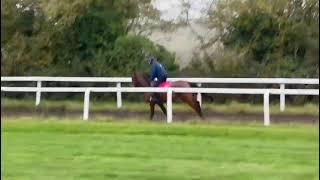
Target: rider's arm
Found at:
x=153, y=71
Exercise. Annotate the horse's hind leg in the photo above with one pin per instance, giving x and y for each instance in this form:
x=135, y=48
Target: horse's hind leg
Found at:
x=191, y=101
x=199, y=111
x=196, y=106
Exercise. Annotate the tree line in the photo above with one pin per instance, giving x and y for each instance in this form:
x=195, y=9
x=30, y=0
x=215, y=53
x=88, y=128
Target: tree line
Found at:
x=260, y=38
x=77, y=38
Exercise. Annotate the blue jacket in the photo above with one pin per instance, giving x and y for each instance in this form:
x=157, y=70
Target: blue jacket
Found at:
x=158, y=71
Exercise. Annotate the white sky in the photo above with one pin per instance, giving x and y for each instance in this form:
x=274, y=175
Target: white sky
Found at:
x=171, y=8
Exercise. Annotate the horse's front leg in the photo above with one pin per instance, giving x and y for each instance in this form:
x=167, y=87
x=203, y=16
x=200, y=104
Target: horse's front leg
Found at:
x=151, y=110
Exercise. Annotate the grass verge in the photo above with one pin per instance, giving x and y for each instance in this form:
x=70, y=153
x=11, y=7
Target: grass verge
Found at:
x=231, y=108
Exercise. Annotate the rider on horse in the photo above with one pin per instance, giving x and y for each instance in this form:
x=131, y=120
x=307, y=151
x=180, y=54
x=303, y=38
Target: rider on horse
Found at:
x=158, y=76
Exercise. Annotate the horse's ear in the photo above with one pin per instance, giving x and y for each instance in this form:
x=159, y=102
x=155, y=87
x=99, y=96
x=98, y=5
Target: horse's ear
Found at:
x=135, y=81
x=133, y=78
x=134, y=75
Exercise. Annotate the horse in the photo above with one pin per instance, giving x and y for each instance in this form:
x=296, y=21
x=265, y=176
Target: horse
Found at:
x=143, y=80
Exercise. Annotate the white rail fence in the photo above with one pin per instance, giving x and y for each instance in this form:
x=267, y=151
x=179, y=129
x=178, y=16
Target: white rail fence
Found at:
x=282, y=82
x=87, y=90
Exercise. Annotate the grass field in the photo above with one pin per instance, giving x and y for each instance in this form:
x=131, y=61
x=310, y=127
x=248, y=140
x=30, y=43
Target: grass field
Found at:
x=45, y=149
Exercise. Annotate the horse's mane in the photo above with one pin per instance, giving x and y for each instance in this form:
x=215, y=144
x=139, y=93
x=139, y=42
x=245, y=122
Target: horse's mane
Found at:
x=146, y=76
x=143, y=76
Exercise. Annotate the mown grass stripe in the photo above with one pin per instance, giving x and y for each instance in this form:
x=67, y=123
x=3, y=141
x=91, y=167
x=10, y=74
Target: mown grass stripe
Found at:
x=178, y=129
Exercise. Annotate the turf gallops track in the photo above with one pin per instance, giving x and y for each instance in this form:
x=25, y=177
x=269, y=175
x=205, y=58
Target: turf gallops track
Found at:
x=40, y=149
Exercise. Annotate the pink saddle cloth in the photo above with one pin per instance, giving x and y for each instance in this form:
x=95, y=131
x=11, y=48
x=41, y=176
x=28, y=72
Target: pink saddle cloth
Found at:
x=165, y=84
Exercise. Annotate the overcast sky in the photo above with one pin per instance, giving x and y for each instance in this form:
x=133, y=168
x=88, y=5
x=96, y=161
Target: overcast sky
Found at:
x=171, y=8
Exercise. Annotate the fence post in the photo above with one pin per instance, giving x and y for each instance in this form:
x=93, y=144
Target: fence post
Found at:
x=266, y=108
x=86, y=104
x=199, y=98
x=282, y=97
x=38, y=93
x=119, y=98
x=169, y=105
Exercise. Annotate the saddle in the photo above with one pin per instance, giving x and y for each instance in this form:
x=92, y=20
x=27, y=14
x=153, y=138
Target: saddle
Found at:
x=165, y=84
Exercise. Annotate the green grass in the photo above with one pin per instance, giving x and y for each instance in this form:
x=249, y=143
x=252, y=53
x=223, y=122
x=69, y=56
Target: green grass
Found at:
x=233, y=107
x=71, y=149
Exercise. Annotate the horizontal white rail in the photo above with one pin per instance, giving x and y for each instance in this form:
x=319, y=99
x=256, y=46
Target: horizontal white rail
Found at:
x=193, y=80
x=82, y=89
x=250, y=80
x=66, y=79
x=163, y=90
x=169, y=91
x=314, y=92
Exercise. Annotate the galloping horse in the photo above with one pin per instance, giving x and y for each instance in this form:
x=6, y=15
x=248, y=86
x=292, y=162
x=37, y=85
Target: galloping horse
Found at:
x=143, y=80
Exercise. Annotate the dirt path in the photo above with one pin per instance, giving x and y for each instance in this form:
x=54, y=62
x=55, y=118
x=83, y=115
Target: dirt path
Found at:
x=178, y=116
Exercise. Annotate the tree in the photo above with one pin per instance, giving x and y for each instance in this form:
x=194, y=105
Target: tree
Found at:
x=276, y=38
x=22, y=38
x=71, y=38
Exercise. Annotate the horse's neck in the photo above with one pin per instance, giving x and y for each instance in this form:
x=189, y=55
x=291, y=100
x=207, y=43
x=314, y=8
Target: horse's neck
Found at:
x=142, y=79
x=145, y=78
x=145, y=84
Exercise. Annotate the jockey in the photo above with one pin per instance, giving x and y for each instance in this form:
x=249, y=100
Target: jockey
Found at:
x=158, y=76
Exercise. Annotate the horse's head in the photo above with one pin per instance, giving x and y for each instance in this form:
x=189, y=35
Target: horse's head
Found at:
x=140, y=79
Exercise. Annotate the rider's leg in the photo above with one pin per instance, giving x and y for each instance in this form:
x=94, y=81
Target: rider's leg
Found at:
x=155, y=97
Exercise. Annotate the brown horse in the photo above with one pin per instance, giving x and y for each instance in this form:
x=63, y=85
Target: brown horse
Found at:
x=142, y=80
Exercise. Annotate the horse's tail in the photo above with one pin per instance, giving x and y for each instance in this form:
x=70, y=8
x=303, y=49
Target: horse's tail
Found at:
x=204, y=95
